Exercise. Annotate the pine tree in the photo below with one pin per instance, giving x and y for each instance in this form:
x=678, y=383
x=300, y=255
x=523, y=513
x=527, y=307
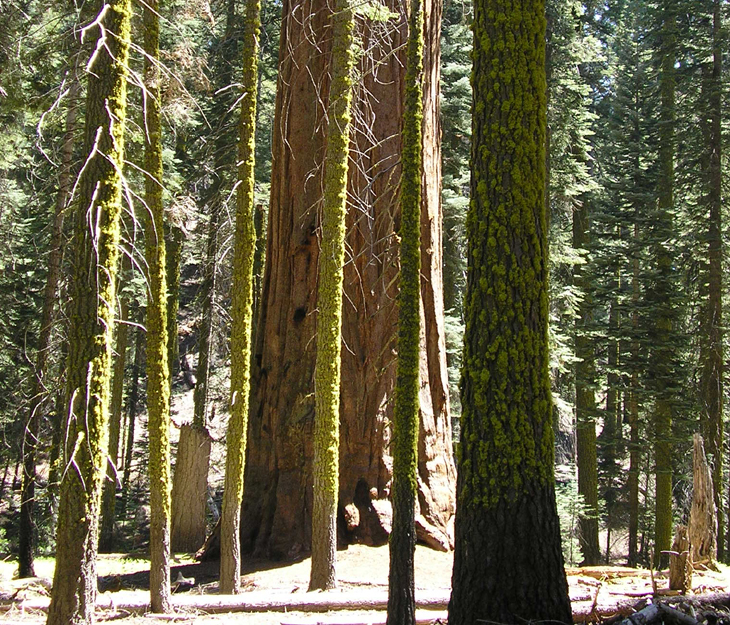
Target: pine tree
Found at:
x=158, y=375
x=92, y=321
x=329, y=304
x=508, y=564
x=401, y=580
x=711, y=355
x=242, y=309
x=662, y=291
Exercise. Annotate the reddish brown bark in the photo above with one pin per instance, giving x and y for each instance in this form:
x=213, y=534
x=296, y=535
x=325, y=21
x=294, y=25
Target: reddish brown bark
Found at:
x=278, y=491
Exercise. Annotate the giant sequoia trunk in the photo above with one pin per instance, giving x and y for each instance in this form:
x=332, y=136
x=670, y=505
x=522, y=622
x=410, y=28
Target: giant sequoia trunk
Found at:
x=278, y=484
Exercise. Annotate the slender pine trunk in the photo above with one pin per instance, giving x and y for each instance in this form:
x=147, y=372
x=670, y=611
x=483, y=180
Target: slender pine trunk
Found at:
x=401, y=579
x=242, y=310
x=329, y=303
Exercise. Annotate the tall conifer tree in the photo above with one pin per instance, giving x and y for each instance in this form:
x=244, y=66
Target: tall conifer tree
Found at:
x=329, y=304
x=95, y=248
x=401, y=582
x=158, y=374
x=661, y=292
x=242, y=309
x=508, y=564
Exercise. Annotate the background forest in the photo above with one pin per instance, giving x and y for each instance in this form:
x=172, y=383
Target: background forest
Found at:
x=635, y=205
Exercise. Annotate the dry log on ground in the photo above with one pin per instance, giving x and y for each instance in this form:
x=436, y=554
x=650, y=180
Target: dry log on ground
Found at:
x=659, y=613
x=264, y=601
x=606, y=572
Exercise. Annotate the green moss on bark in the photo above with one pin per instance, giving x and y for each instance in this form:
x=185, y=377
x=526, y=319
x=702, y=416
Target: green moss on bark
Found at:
x=95, y=244
x=401, y=584
x=158, y=375
x=329, y=304
x=242, y=310
x=508, y=565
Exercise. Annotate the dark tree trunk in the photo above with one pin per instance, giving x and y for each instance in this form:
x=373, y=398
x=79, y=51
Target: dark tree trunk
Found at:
x=38, y=393
x=278, y=484
x=585, y=401
x=132, y=417
x=508, y=563
x=109, y=493
x=514, y=585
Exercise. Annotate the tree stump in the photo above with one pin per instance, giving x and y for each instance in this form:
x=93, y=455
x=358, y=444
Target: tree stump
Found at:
x=702, y=519
x=680, y=562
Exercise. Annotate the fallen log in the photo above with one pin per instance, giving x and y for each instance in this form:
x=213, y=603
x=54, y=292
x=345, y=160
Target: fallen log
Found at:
x=262, y=601
x=659, y=613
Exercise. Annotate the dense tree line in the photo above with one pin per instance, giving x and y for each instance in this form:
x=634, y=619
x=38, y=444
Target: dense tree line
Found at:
x=406, y=255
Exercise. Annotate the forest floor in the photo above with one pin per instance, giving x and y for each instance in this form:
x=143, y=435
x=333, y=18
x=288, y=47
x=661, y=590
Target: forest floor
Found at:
x=597, y=592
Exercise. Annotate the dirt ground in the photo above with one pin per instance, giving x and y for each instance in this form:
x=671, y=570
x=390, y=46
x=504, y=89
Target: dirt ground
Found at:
x=360, y=569
x=362, y=573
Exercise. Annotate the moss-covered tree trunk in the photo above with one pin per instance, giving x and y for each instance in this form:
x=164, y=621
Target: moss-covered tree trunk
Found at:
x=96, y=244
x=508, y=564
x=585, y=401
x=662, y=293
x=38, y=392
x=158, y=374
x=278, y=482
x=401, y=578
x=242, y=309
x=325, y=464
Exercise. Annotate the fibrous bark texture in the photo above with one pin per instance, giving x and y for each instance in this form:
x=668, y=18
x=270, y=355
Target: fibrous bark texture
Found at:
x=278, y=483
x=96, y=245
x=508, y=564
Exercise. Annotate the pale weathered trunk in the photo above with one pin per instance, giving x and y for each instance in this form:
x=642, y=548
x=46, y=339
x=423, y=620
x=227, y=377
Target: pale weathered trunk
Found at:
x=702, y=530
x=189, y=499
x=278, y=490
